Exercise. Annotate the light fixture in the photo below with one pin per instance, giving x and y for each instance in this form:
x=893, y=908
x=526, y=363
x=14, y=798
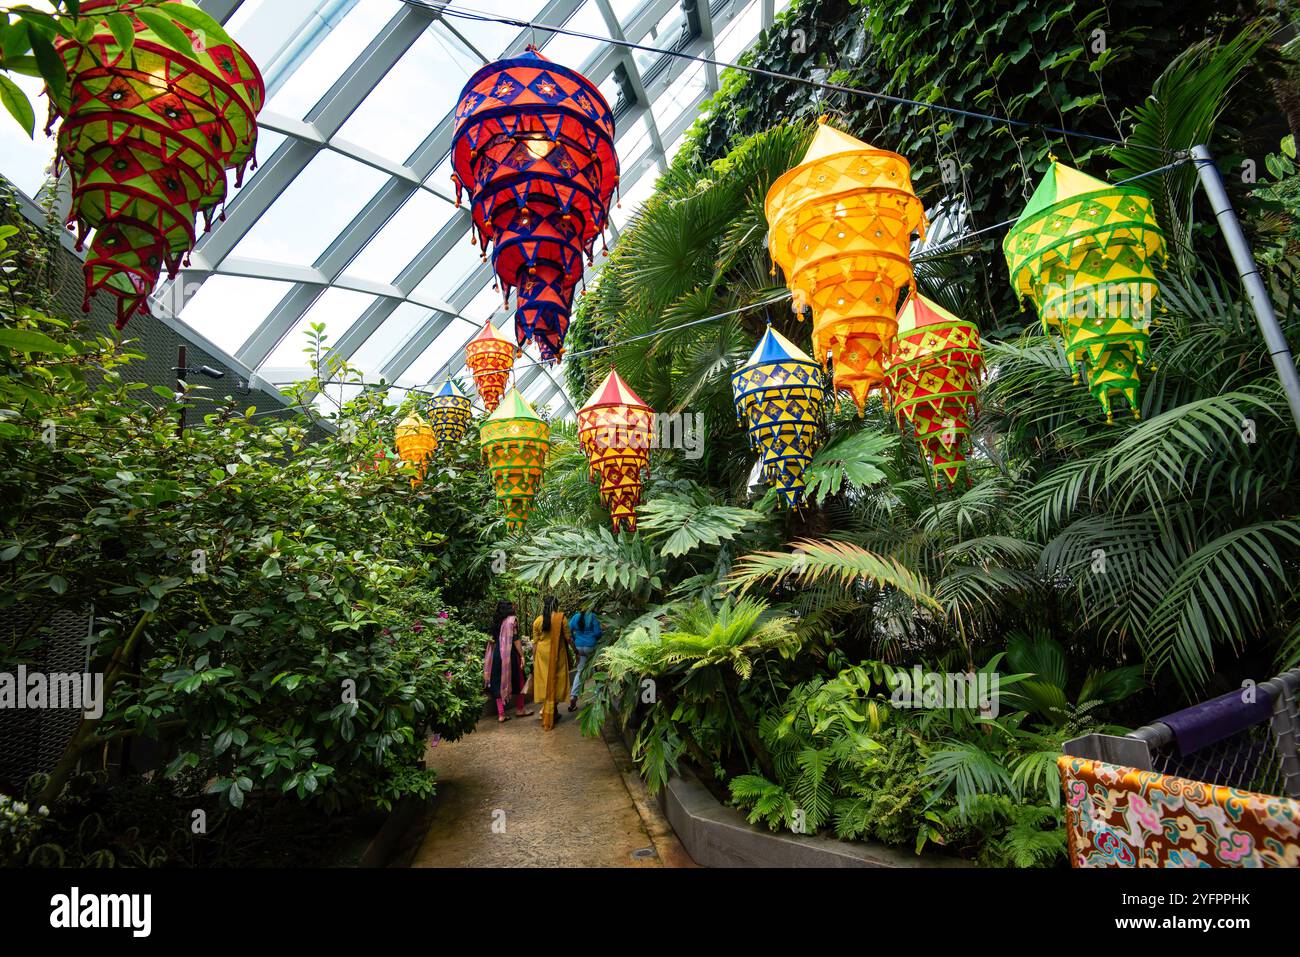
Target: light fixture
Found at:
x=537, y=138
x=539, y=146
x=207, y=371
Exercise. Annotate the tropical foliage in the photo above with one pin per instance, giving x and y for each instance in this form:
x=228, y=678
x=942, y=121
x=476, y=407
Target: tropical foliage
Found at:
x=1118, y=571
x=1095, y=576
x=268, y=610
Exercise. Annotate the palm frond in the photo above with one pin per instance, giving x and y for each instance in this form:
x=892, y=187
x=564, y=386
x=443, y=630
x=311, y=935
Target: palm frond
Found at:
x=1224, y=593
x=811, y=561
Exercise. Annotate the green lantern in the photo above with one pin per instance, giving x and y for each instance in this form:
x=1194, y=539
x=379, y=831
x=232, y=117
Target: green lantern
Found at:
x=515, y=444
x=1085, y=252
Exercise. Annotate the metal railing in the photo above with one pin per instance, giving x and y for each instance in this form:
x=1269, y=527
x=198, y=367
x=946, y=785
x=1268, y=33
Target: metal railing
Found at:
x=1249, y=739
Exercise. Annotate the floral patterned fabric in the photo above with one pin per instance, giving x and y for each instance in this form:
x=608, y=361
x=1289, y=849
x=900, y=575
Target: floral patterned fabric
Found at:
x=1122, y=817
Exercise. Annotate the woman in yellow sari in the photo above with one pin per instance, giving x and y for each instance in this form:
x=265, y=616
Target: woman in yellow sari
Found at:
x=552, y=646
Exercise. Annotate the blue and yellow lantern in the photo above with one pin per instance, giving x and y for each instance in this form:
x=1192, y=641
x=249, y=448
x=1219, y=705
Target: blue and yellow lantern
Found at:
x=780, y=399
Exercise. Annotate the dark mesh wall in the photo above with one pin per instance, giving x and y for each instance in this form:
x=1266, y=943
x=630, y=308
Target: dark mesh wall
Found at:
x=32, y=742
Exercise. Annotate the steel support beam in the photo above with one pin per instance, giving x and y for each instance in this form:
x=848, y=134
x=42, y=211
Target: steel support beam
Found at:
x=318, y=131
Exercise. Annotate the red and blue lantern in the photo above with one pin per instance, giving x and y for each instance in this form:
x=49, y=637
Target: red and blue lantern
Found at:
x=534, y=147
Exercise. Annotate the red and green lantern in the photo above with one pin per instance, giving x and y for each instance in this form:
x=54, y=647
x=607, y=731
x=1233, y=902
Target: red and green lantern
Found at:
x=933, y=370
x=147, y=135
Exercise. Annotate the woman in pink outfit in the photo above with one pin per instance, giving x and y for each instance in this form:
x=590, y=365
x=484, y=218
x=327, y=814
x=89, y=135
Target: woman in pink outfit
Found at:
x=503, y=663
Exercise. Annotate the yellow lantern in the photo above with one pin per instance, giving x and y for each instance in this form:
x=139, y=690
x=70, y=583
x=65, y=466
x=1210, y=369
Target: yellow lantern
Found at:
x=415, y=444
x=841, y=225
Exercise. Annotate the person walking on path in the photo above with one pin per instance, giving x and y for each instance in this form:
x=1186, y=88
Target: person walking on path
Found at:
x=503, y=663
x=586, y=634
x=552, y=647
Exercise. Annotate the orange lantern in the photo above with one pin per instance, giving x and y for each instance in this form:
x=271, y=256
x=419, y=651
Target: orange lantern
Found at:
x=415, y=444
x=490, y=356
x=614, y=430
x=934, y=362
x=841, y=228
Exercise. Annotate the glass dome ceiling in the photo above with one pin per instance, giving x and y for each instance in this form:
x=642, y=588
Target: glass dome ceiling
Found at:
x=350, y=221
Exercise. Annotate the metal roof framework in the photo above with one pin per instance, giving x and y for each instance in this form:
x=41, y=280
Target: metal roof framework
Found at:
x=658, y=94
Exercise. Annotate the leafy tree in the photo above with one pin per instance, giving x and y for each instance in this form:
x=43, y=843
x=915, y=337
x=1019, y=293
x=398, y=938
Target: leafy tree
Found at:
x=266, y=605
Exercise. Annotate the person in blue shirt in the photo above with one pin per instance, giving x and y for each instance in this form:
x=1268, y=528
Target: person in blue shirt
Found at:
x=585, y=627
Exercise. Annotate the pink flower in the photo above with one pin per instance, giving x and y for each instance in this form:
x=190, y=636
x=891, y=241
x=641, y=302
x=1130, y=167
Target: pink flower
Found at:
x=1235, y=845
x=442, y=615
x=418, y=627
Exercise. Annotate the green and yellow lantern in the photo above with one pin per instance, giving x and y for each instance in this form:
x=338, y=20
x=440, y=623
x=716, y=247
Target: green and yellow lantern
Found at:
x=1085, y=253
x=515, y=443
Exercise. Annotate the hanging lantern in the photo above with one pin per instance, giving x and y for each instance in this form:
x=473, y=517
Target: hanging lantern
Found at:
x=515, y=442
x=148, y=133
x=449, y=414
x=934, y=363
x=841, y=225
x=534, y=147
x=382, y=461
x=1084, y=252
x=780, y=399
x=415, y=444
x=490, y=356
x=614, y=429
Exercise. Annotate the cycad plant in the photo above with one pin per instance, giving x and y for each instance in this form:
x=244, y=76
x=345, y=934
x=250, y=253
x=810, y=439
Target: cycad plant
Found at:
x=693, y=686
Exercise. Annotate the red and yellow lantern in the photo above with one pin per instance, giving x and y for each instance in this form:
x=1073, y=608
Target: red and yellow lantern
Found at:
x=614, y=429
x=148, y=133
x=934, y=366
x=490, y=357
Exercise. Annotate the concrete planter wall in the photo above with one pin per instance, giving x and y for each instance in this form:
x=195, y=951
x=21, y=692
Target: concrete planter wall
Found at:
x=716, y=835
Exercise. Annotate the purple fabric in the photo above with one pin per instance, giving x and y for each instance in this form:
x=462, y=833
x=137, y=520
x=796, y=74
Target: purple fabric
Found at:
x=1203, y=724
